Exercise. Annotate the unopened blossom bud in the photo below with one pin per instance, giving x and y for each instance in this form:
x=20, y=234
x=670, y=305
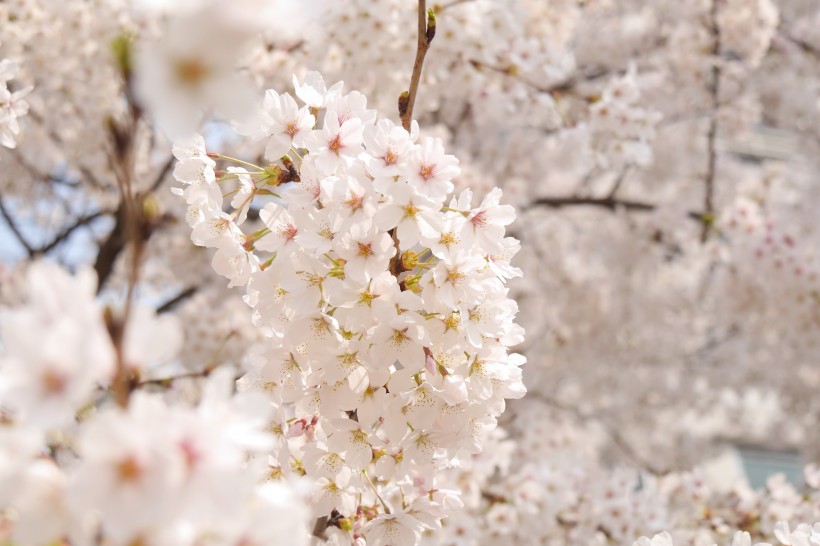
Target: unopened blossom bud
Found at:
x=150, y=208
x=431, y=26
x=404, y=102
x=122, y=50
x=409, y=260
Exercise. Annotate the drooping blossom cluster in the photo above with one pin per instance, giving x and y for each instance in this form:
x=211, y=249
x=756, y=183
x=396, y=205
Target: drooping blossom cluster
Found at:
x=74, y=466
x=382, y=296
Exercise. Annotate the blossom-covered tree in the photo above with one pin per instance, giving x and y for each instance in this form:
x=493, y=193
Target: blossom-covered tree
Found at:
x=264, y=264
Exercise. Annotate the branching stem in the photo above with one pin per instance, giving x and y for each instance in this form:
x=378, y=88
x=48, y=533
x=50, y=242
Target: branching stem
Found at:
x=426, y=31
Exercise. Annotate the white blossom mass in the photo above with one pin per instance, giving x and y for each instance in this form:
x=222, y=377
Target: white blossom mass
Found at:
x=409, y=272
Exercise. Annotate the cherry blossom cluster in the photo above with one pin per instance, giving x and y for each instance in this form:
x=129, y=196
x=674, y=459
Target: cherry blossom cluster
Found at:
x=12, y=104
x=780, y=255
x=621, y=131
x=803, y=535
x=76, y=467
x=549, y=483
x=80, y=89
x=545, y=485
x=664, y=323
x=382, y=295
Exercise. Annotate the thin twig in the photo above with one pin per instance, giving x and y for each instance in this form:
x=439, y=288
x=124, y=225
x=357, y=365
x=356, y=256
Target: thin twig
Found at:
x=23, y=162
x=426, y=32
x=166, y=167
x=109, y=250
x=167, y=381
x=604, y=202
x=14, y=229
x=803, y=45
x=618, y=182
x=511, y=71
x=376, y=492
x=135, y=232
x=58, y=140
x=176, y=300
x=65, y=233
x=714, y=93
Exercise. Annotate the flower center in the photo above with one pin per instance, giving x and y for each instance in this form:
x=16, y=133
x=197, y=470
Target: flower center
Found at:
x=191, y=72
x=365, y=250
x=454, y=276
x=289, y=232
x=354, y=201
x=390, y=157
x=129, y=469
x=335, y=145
x=54, y=382
x=426, y=172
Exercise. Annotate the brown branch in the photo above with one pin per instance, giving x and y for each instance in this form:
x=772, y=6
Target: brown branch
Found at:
x=58, y=140
x=116, y=240
x=511, y=71
x=134, y=218
x=109, y=250
x=604, y=202
x=176, y=300
x=15, y=230
x=711, y=136
x=166, y=167
x=65, y=233
x=426, y=32
x=618, y=182
x=565, y=86
x=199, y=374
x=32, y=170
x=610, y=203
x=803, y=45
x=168, y=381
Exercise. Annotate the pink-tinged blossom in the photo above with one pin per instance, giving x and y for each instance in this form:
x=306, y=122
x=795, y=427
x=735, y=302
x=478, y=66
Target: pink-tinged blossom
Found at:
x=388, y=151
x=335, y=145
x=430, y=171
x=283, y=228
x=414, y=216
x=456, y=281
x=485, y=223
x=350, y=201
x=366, y=252
x=282, y=122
